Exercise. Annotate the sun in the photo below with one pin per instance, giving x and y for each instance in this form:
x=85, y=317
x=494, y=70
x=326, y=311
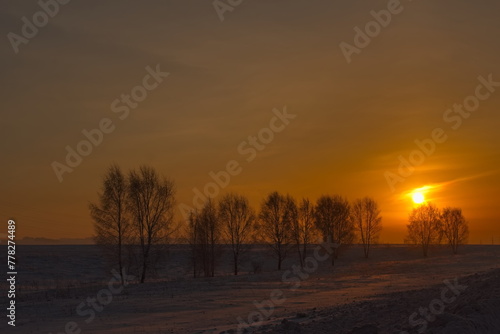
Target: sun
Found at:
x=418, y=197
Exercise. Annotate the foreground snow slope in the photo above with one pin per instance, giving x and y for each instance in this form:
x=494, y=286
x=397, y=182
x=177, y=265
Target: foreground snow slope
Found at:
x=388, y=288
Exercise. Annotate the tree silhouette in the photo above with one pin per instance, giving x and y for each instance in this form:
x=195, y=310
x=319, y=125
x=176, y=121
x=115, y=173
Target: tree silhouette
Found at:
x=425, y=226
x=193, y=237
x=111, y=224
x=276, y=216
x=454, y=227
x=237, y=218
x=151, y=202
x=303, y=228
x=205, y=236
x=367, y=221
x=332, y=218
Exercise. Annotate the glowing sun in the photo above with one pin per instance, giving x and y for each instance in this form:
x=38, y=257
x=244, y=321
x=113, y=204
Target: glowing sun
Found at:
x=418, y=197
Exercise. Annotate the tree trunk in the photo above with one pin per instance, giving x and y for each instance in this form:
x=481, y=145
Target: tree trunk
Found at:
x=212, y=260
x=304, y=252
x=143, y=276
x=235, y=259
x=300, y=256
x=144, y=264
x=120, y=265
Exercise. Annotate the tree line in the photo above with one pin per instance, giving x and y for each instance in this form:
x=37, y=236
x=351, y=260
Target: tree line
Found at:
x=134, y=221
x=430, y=225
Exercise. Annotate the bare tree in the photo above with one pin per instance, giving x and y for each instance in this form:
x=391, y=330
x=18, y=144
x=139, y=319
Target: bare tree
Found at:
x=193, y=237
x=332, y=218
x=344, y=230
x=276, y=215
x=210, y=220
x=365, y=215
x=303, y=228
x=237, y=218
x=454, y=227
x=151, y=201
x=204, y=233
x=324, y=216
x=111, y=224
x=424, y=228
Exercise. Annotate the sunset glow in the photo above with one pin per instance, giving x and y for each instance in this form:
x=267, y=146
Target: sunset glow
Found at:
x=220, y=107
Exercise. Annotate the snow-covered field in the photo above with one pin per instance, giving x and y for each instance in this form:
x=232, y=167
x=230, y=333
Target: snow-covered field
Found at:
x=57, y=285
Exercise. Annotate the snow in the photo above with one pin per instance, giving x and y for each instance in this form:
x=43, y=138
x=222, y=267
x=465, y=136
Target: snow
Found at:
x=381, y=292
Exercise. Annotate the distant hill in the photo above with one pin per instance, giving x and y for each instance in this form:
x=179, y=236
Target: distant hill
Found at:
x=46, y=241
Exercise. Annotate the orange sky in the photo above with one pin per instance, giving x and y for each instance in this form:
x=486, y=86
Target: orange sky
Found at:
x=352, y=123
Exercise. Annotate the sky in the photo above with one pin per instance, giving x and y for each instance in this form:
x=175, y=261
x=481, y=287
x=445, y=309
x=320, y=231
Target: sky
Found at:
x=350, y=119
